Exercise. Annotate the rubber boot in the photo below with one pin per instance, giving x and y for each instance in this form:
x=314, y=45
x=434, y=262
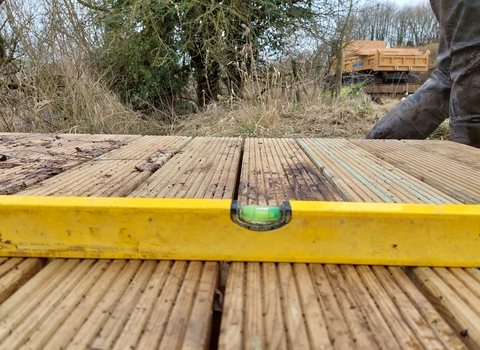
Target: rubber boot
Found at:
x=417, y=116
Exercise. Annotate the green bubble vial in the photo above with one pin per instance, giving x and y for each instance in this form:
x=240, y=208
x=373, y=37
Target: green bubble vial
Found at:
x=255, y=214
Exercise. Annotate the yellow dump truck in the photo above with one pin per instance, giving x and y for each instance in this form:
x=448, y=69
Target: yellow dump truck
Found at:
x=380, y=64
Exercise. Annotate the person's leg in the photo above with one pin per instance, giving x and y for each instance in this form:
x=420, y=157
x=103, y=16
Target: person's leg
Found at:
x=417, y=116
x=460, y=20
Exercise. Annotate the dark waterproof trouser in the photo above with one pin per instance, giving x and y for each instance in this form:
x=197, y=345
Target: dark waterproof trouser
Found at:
x=453, y=90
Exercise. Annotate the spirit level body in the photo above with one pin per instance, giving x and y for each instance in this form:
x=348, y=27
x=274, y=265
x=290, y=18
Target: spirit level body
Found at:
x=202, y=229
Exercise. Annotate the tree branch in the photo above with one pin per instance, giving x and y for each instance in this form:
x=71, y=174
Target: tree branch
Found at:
x=86, y=4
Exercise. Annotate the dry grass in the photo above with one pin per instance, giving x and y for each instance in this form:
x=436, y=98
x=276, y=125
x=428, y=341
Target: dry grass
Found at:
x=65, y=98
x=350, y=117
x=71, y=100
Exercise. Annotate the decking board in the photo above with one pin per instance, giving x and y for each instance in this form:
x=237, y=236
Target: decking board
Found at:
x=114, y=174
x=28, y=161
x=460, y=316
x=205, y=168
x=15, y=272
x=448, y=149
x=365, y=177
x=274, y=170
x=455, y=178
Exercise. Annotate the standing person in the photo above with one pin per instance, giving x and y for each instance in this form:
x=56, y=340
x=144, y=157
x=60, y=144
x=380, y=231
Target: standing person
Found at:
x=452, y=91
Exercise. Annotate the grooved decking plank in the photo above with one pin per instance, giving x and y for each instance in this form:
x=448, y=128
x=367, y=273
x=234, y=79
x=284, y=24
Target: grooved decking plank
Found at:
x=460, y=316
x=197, y=330
x=54, y=308
x=459, y=288
x=67, y=330
x=314, y=317
x=367, y=302
x=275, y=336
x=16, y=328
x=177, y=324
x=9, y=265
x=86, y=334
x=155, y=326
x=471, y=283
x=205, y=168
x=113, y=327
x=275, y=170
x=336, y=325
x=132, y=331
x=413, y=317
x=16, y=308
x=114, y=174
x=31, y=160
x=439, y=326
x=46, y=330
x=448, y=149
x=297, y=336
x=254, y=327
x=400, y=329
x=455, y=178
x=365, y=177
x=231, y=329
x=358, y=326
x=474, y=273
x=14, y=275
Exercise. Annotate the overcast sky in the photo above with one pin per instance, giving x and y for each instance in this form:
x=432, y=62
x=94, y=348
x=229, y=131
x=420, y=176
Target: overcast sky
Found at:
x=409, y=2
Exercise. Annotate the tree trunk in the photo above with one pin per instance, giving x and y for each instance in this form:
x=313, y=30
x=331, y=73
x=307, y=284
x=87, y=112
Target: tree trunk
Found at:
x=207, y=76
x=296, y=81
x=338, y=72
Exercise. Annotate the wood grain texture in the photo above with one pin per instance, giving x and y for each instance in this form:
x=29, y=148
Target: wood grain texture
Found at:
x=459, y=288
x=253, y=325
x=336, y=324
x=463, y=180
x=205, y=168
x=231, y=328
x=56, y=318
x=275, y=335
x=157, y=322
x=275, y=170
x=75, y=319
x=20, y=327
x=15, y=272
x=197, y=334
x=425, y=335
x=439, y=326
x=371, y=304
x=35, y=158
x=454, y=310
x=118, y=317
x=133, y=329
x=468, y=280
x=86, y=334
x=314, y=317
x=366, y=177
x=357, y=324
x=113, y=174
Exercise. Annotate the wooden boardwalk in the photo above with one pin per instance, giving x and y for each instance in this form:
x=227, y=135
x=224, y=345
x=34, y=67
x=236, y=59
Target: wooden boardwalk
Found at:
x=105, y=304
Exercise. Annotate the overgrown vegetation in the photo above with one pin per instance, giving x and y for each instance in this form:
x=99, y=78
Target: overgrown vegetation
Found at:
x=235, y=67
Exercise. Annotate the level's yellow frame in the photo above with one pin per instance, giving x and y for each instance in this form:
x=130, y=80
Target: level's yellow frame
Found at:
x=201, y=229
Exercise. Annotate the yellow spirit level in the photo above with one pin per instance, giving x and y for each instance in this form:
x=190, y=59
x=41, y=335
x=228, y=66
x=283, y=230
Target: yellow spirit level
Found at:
x=204, y=229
